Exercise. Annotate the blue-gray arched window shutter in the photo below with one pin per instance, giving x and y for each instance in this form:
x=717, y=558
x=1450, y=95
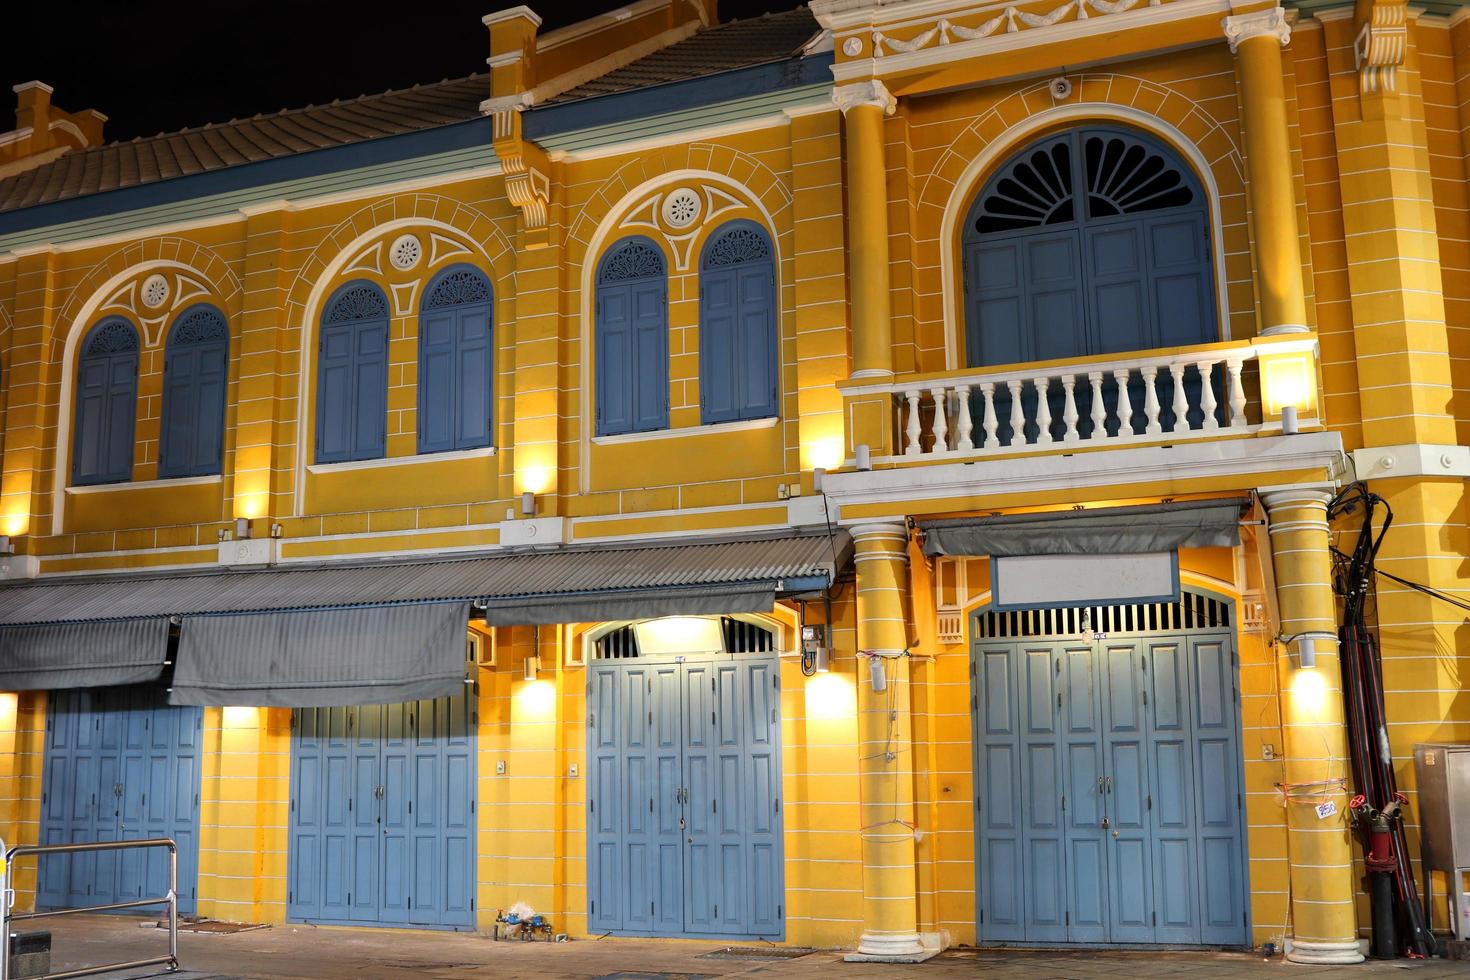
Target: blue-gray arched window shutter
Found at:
x=195, y=384
x=1093, y=241
x=352, y=376
x=632, y=339
x=738, y=346
x=456, y=378
x=107, y=398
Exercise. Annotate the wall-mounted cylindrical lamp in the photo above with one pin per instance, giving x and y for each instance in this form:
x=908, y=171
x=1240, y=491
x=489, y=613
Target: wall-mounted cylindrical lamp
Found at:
x=6, y=548
x=818, y=477
x=528, y=504
x=242, y=528
x=1306, y=646
x=863, y=457
x=877, y=674
x=532, y=667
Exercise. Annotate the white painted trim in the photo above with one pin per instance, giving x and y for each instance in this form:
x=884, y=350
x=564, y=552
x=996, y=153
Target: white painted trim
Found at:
x=386, y=461
x=597, y=22
x=688, y=430
x=180, y=481
x=970, y=183
x=33, y=83
x=781, y=117
x=67, y=126
x=256, y=208
x=15, y=135
x=1414, y=459
x=940, y=54
x=1121, y=468
x=608, y=227
x=400, y=533
x=512, y=13
x=306, y=331
x=211, y=565
x=75, y=331
x=1458, y=17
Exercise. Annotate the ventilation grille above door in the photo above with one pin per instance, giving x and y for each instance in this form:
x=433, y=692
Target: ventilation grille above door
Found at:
x=1191, y=612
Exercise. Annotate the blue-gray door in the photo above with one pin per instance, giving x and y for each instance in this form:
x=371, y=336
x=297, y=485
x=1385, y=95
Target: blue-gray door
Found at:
x=121, y=764
x=684, y=798
x=1108, y=794
x=383, y=814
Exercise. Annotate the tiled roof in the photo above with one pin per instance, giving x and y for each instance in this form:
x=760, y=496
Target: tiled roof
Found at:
x=264, y=137
x=738, y=44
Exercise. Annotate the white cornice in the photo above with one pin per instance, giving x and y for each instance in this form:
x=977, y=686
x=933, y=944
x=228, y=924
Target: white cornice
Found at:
x=512, y=13
x=1412, y=460
x=1264, y=456
x=591, y=25
x=1006, y=40
x=1240, y=28
x=27, y=86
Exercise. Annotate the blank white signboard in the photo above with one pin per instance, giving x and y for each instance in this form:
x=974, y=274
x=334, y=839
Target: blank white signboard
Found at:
x=1051, y=581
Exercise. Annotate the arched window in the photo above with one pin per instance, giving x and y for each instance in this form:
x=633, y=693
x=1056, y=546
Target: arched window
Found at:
x=456, y=396
x=195, y=379
x=737, y=325
x=632, y=339
x=107, y=395
x=1092, y=241
x=352, y=376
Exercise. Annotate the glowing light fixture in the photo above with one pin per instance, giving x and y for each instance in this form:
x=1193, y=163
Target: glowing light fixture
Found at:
x=532, y=667
x=674, y=635
x=1286, y=381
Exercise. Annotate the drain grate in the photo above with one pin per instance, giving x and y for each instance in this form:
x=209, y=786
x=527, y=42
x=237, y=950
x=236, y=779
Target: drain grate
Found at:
x=756, y=953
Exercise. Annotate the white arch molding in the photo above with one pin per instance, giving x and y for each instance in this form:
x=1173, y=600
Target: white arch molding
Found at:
x=66, y=390
x=306, y=330
x=592, y=257
x=963, y=192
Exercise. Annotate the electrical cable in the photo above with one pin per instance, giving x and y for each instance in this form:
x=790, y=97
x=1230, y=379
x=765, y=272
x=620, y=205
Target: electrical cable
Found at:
x=1378, y=812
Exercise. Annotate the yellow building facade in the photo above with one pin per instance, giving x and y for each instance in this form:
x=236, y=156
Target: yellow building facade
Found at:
x=936, y=511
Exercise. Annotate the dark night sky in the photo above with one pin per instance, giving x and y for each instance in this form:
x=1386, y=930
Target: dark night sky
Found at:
x=160, y=66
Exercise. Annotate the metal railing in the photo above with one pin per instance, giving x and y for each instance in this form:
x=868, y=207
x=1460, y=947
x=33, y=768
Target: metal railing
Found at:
x=7, y=902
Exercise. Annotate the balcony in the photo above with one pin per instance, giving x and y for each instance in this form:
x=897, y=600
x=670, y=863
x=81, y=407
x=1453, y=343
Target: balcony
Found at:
x=1214, y=391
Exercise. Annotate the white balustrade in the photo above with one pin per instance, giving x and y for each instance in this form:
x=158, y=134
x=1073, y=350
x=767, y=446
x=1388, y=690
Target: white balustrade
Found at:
x=1130, y=399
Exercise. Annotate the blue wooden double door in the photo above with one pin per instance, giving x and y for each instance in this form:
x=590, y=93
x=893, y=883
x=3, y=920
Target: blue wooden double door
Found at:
x=684, y=798
x=121, y=764
x=382, y=815
x=1108, y=791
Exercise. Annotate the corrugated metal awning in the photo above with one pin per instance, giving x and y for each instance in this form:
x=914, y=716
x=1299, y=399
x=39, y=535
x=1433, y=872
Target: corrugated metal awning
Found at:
x=530, y=581
x=248, y=651
x=1105, y=531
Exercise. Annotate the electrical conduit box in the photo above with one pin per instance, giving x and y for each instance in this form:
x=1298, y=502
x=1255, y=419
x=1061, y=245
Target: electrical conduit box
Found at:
x=1443, y=772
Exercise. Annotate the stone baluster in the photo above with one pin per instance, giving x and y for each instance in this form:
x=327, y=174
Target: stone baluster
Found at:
x=1043, y=411
x=1018, y=416
x=1237, y=394
x=1069, y=408
x=1125, y=403
x=915, y=426
x=1181, y=403
x=989, y=423
x=1151, y=401
x=1207, y=395
x=941, y=419
x=1099, y=410
x=962, y=442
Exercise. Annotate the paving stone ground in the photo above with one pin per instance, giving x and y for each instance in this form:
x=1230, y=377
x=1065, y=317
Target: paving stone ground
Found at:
x=324, y=953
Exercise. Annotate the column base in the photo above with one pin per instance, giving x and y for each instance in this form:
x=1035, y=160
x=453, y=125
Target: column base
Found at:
x=1324, y=953
x=890, y=949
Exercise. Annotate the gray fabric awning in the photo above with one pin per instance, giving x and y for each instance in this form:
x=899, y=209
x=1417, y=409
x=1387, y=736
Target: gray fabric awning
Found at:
x=1107, y=531
x=51, y=656
x=322, y=657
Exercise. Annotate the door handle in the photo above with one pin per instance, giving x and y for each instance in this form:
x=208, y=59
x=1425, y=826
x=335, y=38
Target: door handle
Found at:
x=378, y=791
x=1115, y=835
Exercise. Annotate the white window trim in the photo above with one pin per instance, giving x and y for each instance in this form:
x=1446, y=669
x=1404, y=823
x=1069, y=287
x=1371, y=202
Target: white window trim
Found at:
x=177, y=481
x=747, y=425
x=372, y=464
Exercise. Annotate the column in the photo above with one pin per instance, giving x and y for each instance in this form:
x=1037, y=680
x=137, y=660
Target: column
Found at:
x=1256, y=40
x=885, y=749
x=863, y=105
x=1319, y=849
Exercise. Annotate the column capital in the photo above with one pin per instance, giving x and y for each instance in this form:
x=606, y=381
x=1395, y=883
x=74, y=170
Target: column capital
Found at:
x=871, y=92
x=1296, y=495
x=1240, y=28
x=880, y=531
